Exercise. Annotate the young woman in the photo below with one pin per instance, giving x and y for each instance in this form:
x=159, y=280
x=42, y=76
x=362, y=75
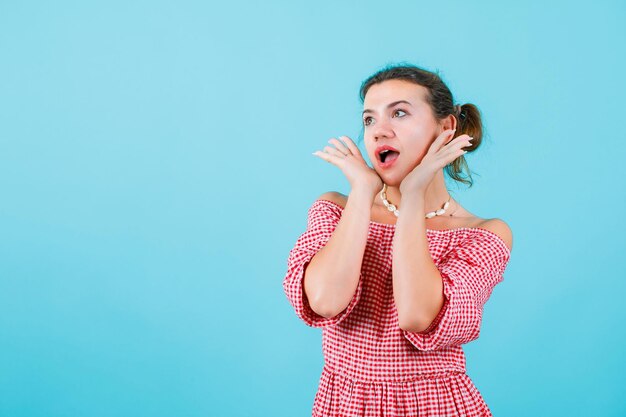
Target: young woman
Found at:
x=397, y=273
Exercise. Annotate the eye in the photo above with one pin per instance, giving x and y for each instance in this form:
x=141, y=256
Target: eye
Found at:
x=368, y=117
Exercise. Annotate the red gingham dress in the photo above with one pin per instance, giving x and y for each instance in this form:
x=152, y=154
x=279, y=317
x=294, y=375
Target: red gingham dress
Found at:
x=371, y=366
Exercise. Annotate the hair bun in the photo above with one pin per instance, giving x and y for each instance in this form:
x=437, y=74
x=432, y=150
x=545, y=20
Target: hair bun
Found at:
x=458, y=111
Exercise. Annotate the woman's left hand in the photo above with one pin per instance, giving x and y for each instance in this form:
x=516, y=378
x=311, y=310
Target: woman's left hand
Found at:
x=437, y=157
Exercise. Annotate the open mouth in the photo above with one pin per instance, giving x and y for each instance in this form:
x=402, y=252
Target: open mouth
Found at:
x=388, y=155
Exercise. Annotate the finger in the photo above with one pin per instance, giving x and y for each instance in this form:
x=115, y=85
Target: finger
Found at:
x=456, y=148
x=450, y=137
x=340, y=146
x=439, y=142
x=461, y=141
x=334, y=151
x=326, y=157
x=461, y=138
x=351, y=145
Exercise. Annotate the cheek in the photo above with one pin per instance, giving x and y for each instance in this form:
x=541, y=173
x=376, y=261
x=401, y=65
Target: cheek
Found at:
x=415, y=153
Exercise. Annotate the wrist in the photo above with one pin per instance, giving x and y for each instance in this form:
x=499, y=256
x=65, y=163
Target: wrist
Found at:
x=415, y=197
x=363, y=194
x=365, y=191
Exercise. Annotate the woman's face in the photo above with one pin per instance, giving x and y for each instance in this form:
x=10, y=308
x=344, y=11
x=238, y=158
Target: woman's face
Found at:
x=395, y=113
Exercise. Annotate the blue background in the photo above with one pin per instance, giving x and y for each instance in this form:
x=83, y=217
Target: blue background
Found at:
x=156, y=168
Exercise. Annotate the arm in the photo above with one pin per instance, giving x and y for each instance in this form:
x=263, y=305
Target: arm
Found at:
x=469, y=272
x=417, y=283
x=332, y=276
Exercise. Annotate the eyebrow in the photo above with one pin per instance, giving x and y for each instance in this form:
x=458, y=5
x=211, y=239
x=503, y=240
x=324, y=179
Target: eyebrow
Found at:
x=388, y=106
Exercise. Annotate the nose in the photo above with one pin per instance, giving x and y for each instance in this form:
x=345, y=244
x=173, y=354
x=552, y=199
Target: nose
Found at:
x=382, y=129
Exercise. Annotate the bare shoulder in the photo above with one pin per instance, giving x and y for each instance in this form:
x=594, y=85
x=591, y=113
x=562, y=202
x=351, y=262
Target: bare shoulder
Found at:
x=335, y=197
x=499, y=227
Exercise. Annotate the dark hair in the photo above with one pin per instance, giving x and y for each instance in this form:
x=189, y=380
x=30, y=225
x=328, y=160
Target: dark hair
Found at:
x=441, y=103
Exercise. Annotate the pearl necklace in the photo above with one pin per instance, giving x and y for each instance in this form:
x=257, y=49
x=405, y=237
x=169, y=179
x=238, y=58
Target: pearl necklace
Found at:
x=391, y=207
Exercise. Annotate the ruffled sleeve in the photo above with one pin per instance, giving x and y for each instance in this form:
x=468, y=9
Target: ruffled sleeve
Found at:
x=469, y=272
x=323, y=218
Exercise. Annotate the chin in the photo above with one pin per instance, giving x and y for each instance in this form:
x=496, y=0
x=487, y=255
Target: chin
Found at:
x=391, y=179
x=395, y=184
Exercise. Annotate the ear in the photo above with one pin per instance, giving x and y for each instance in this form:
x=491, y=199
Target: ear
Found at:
x=449, y=122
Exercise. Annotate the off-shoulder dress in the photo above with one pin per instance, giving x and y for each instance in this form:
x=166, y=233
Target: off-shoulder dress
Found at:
x=372, y=367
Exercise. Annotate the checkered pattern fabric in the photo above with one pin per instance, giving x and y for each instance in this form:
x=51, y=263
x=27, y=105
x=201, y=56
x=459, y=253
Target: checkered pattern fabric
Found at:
x=371, y=366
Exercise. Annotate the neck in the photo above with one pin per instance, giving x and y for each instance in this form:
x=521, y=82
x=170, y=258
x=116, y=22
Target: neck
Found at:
x=434, y=197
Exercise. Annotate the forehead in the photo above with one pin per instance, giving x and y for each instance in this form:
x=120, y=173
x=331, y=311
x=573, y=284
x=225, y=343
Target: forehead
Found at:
x=379, y=95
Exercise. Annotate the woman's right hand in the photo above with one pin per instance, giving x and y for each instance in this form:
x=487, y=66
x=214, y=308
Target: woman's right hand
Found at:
x=347, y=157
